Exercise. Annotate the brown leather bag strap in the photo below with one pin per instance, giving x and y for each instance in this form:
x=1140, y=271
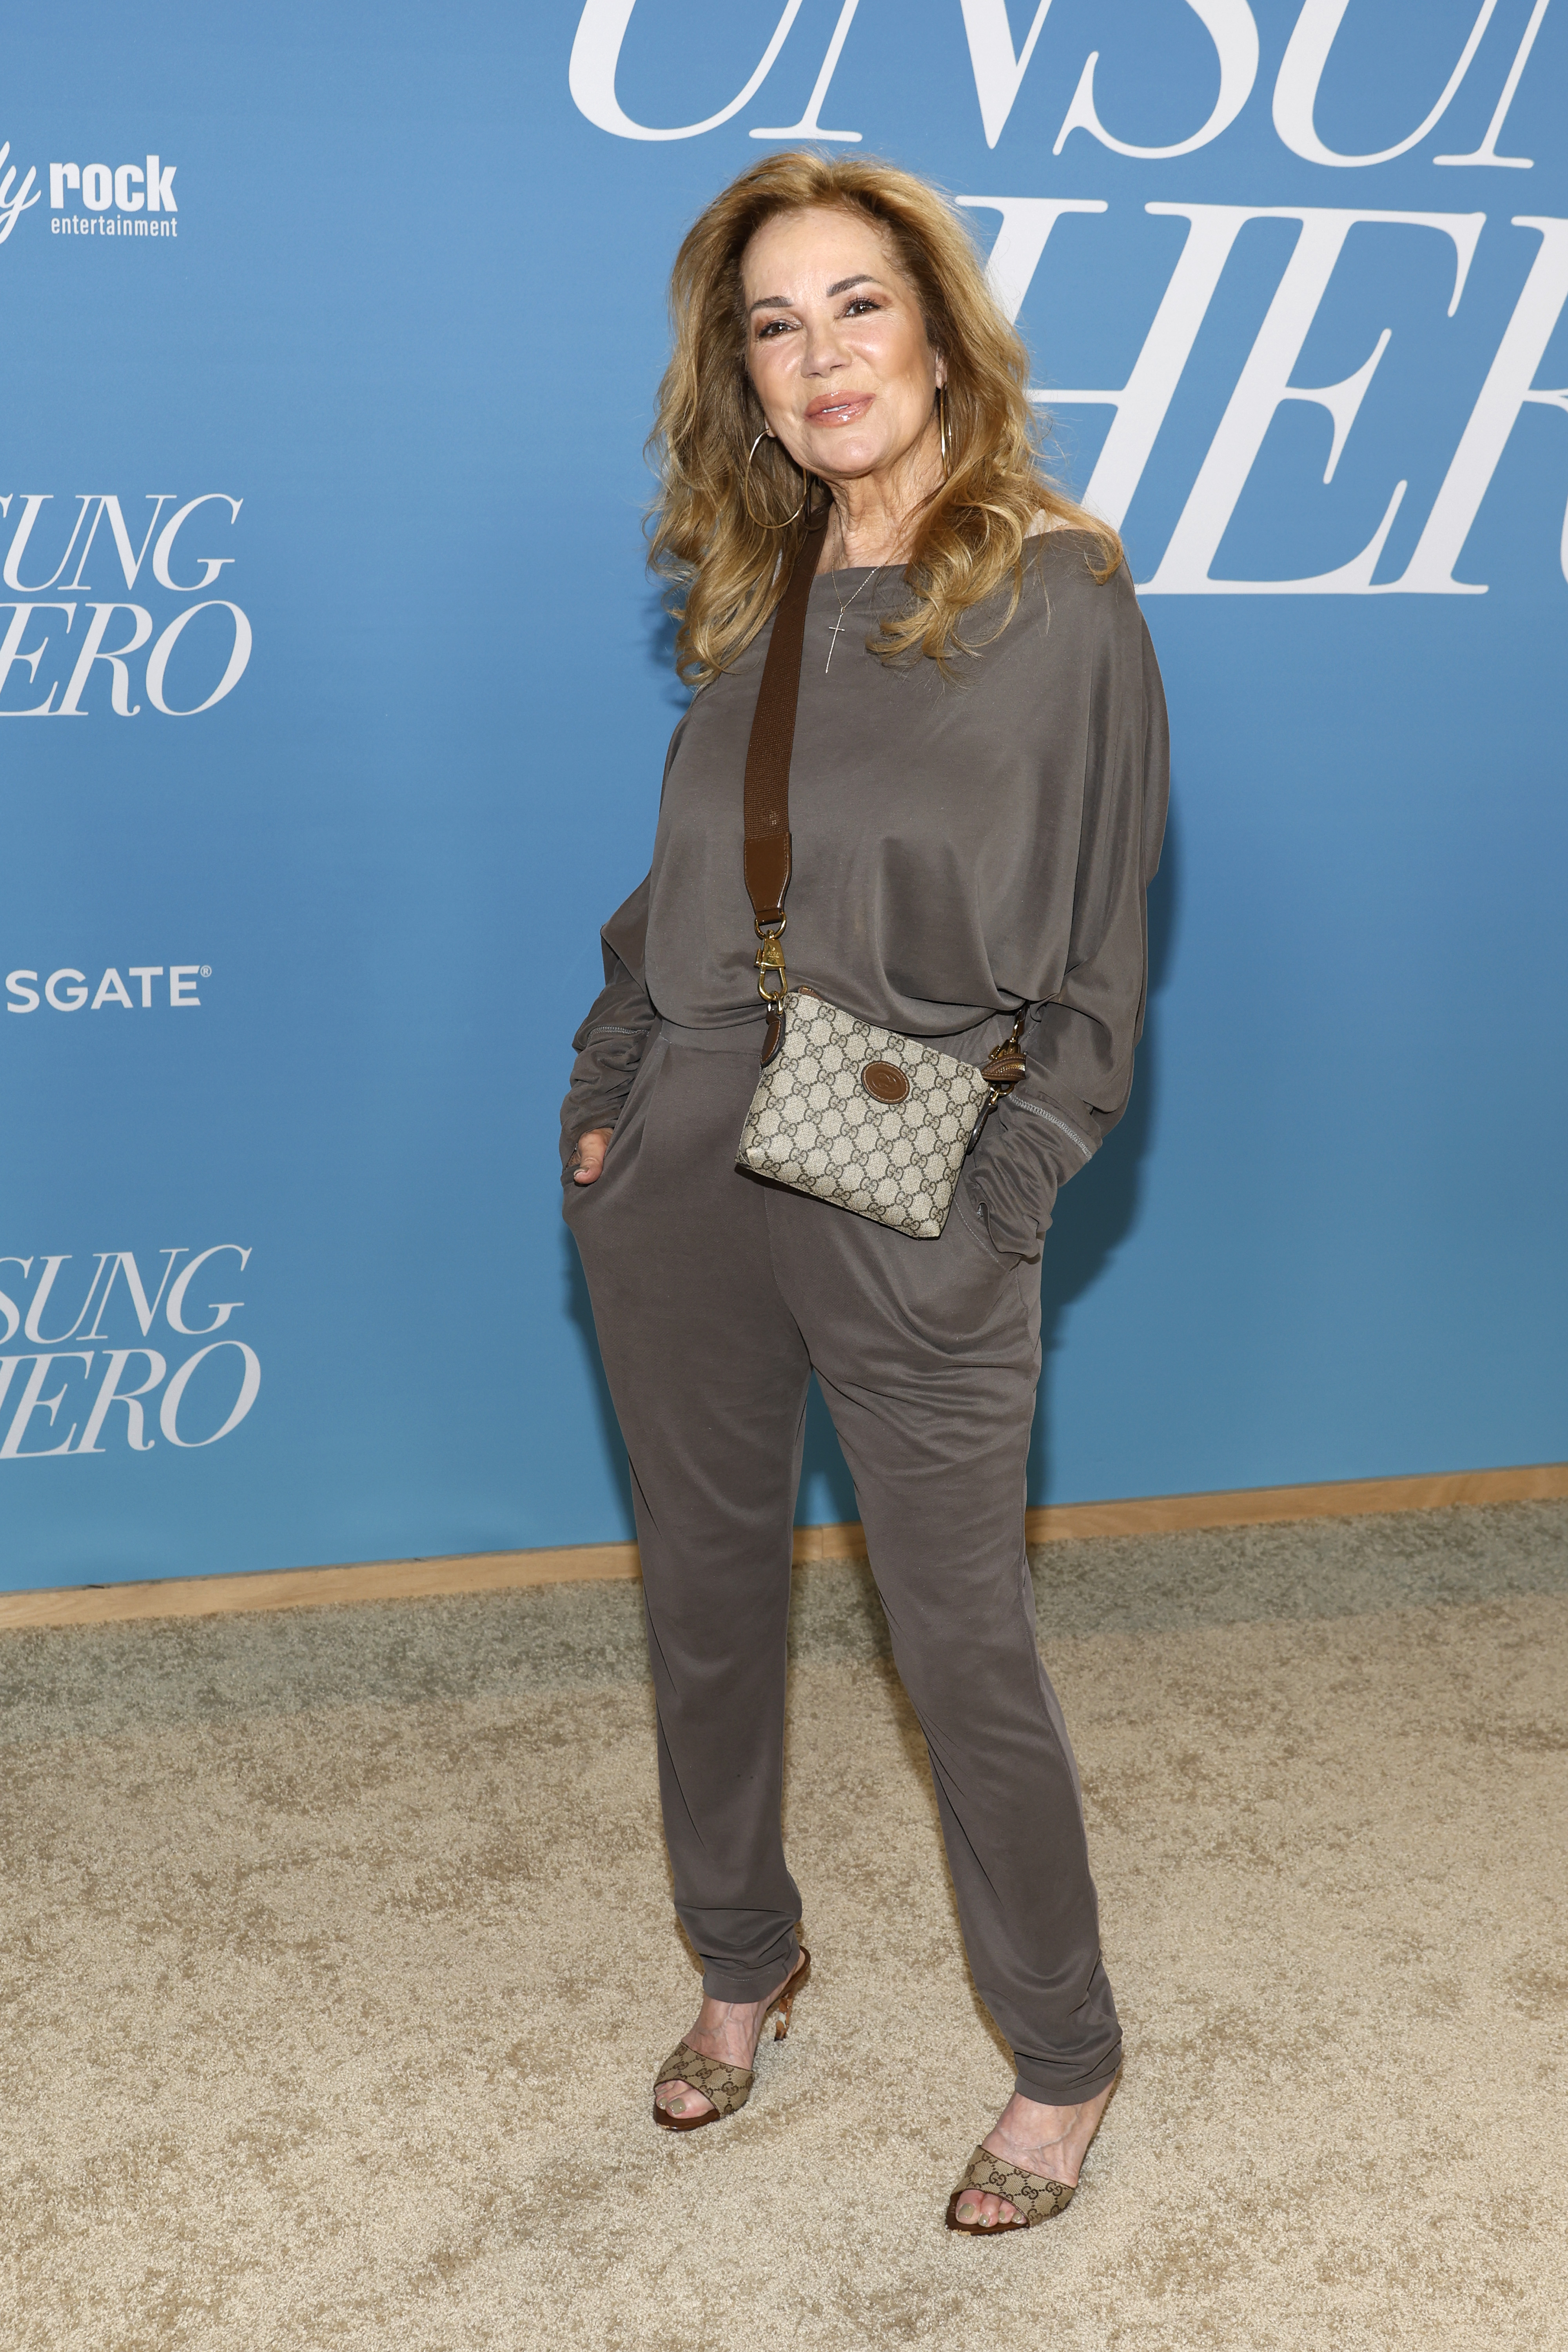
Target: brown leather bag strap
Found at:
x=767, y=849
x=768, y=756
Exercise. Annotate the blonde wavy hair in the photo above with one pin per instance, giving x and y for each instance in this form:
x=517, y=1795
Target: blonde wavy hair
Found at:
x=728, y=570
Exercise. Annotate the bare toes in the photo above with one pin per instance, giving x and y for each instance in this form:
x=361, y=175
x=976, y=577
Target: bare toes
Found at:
x=680, y=2099
x=983, y=2212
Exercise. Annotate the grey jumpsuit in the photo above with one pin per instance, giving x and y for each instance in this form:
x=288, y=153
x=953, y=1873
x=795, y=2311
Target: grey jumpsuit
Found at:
x=961, y=846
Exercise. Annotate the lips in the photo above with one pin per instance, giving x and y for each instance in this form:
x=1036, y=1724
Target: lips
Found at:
x=847, y=409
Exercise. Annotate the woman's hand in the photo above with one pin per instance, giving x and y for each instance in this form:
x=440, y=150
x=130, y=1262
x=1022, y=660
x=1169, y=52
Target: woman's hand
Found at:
x=592, y=1146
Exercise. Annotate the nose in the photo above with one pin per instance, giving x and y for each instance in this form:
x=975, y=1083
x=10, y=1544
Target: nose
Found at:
x=825, y=354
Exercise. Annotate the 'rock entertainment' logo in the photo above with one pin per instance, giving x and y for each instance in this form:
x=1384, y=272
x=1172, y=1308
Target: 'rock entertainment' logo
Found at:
x=94, y=199
x=133, y=190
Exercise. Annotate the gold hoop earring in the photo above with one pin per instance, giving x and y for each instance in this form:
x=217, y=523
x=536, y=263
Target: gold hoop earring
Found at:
x=746, y=496
x=943, y=432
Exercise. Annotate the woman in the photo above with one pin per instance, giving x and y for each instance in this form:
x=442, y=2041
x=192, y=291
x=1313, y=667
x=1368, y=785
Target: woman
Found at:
x=976, y=800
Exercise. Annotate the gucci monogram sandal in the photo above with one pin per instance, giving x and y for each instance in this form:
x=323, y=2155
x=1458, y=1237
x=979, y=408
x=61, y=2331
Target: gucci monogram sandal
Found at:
x=848, y=1112
x=1032, y=2197
x=726, y=2088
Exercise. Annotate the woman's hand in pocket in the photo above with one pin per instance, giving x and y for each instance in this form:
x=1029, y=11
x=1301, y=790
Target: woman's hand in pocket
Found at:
x=592, y=1146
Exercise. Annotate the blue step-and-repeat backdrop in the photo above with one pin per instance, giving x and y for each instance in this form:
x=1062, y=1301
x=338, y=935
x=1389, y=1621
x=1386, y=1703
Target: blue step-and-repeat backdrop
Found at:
x=333, y=698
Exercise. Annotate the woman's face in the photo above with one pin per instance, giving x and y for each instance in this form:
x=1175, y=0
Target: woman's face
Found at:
x=836, y=344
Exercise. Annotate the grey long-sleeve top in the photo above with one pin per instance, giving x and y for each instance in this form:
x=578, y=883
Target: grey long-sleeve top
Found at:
x=961, y=846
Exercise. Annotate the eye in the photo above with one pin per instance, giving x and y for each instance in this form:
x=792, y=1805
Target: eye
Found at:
x=772, y=327
x=861, y=302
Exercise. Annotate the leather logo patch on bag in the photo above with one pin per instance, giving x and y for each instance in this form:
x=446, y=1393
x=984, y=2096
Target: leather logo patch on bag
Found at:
x=885, y=1082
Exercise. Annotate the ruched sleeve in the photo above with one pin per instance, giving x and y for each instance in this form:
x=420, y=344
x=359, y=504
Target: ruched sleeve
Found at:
x=609, y=1045
x=1080, y=1043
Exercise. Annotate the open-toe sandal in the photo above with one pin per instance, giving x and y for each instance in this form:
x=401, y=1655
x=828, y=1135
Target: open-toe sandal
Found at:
x=726, y=2088
x=1032, y=2198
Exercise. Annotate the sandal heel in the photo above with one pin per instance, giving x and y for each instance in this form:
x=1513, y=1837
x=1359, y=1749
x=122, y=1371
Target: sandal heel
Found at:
x=784, y=2008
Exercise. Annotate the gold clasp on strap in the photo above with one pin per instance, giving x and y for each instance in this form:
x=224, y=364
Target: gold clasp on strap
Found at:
x=770, y=959
x=1002, y=1072
x=1003, y=1069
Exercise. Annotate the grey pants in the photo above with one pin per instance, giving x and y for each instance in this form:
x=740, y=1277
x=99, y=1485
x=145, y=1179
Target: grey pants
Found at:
x=715, y=1297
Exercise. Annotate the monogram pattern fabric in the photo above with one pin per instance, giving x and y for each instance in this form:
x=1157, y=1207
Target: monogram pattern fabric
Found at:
x=814, y=1125
x=725, y=2087
x=1032, y=2198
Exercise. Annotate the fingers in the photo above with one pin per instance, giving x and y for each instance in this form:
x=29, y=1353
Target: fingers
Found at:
x=589, y=1157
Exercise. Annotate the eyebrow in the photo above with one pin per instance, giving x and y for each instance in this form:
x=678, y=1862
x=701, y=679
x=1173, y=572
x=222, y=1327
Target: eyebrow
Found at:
x=840, y=286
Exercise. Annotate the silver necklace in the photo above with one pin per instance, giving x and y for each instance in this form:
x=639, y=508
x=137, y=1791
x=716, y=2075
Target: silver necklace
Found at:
x=844, y=605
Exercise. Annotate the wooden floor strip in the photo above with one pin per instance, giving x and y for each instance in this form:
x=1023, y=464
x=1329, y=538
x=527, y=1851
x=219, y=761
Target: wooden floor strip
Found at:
x=490, y=1571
